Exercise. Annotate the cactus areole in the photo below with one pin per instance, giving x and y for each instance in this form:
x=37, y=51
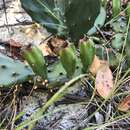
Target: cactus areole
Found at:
x=66, y=18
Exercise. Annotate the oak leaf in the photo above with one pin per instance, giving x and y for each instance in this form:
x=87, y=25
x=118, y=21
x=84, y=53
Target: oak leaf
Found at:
x=104, y=81
x=125, y=104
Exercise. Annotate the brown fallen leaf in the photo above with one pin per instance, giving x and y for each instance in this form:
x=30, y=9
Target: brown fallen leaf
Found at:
x=13, y=48
x=104, y=81
x=56, y=44
x=125, y=104
x=13, y=43
x=34, y=32
x=45, y=50
x=97, y=63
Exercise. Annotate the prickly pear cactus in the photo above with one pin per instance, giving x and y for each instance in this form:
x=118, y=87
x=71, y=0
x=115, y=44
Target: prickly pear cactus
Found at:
x=36, y=60
x=13, y=71
x=56, y=71
x=87, y=53
x=99, y=22
x=108, y=55
x=68, y=59
x=67, y=18
x=118, y=41
x=127, y=48
x=57, y=75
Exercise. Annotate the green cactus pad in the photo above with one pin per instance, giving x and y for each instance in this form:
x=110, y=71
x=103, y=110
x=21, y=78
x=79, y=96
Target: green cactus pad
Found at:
x=108, y=54
x=99, y=22
x=56, y=71
x=57, y=74
x=68, y=59
x=87, y=53
x=118, y=41
x=128, y=10
x=36, y=60
x=13, y=71
x=127, y=49
x=67, y=18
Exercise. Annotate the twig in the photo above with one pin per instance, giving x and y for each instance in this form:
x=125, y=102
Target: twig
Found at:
x=16, y=24
x=4, y=7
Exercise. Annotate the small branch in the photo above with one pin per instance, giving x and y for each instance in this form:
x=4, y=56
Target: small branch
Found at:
x=4, y=6
x=17, y=24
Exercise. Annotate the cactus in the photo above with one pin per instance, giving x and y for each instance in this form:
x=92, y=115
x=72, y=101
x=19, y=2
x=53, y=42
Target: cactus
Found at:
x=108, y=54
x=116, y=7
x=35, y=58
x=128, y=48
x=56, y=74
x=128, y=10
x=13, y=71
x=68, y=59
x=99, y=22
x=118, y=41
x=87, y=52
x=65, y=18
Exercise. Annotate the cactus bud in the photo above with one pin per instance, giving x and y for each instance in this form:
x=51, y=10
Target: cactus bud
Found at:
x=128, y=9
x=36, y=60
x=68, y=59
x=87, y=52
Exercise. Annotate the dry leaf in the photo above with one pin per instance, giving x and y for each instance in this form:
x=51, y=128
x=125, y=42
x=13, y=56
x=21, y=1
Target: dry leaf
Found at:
x=34, y=32
x=97, y=63
x=56, y=44
x=14, y=44
x=13, y=48
x=104, y=81
x=125, y=104
x=45, y=50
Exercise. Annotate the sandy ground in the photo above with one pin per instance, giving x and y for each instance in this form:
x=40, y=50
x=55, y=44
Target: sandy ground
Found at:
x=13, y=17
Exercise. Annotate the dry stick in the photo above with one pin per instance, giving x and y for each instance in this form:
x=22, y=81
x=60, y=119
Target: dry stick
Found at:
x=14, y=107
x=17, y=24
x=4, y=6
